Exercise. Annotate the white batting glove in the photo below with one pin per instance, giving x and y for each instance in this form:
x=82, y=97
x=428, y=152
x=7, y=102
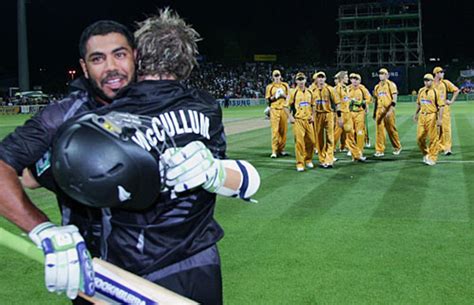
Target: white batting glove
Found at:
x=192, y=166
x=68, y=264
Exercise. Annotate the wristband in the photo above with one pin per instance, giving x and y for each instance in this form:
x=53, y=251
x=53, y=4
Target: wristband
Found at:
x=393, y=104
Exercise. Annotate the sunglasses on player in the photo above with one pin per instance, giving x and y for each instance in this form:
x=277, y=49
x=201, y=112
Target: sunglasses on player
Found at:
x=276, y=75
x=301, y=79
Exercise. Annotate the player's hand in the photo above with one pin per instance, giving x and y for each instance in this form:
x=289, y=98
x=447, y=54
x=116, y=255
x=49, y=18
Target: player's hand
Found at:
x=389, y=113
x=68, y=264
x=279, y=93
x=311, y=120
x=415, y=118
x=340, y=122
x=439, y=122
x=449, y=102
x=292, y=119
x=192, y=166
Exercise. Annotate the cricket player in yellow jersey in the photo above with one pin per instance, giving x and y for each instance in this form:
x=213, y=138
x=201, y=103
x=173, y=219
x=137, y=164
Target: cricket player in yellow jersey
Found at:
x=345, y=124
x=444, y=87
x=301, y=98
x=325, y=100
x=276, y=94
x=385, y=95
x=341, y=137
x=360, y=100
x=429, y=114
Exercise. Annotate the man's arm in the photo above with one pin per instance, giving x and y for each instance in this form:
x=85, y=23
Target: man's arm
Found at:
x=67, y=262
x=290, y=115
x=394, y=99
x=268, y=95
x=455, y=90
x=14, y=203
x=286, y=107
x=28, y=181
x=418, y=107
x=440, y=116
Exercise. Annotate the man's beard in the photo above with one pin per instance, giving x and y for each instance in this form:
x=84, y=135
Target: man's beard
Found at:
x=99, y=93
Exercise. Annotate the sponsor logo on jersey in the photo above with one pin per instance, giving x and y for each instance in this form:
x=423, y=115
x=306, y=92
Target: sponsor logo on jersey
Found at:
x=321, y=102
x=304, y=104
x=43, y=164
x=426, y=102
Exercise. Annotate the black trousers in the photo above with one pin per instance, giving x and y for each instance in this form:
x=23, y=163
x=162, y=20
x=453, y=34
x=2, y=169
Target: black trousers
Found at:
x=197, y=277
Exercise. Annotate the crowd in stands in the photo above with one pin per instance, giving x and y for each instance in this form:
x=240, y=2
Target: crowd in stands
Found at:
x=241, y=80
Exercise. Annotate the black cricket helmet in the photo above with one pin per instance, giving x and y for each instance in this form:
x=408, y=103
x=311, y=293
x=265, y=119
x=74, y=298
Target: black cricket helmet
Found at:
x=97, y=161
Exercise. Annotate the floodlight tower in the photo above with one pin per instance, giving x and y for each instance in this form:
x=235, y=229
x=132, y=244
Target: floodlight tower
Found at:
x=23, y=72
x=383, y=33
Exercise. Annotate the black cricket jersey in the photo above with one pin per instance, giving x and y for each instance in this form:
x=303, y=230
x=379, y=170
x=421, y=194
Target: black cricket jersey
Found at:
x=175, y=227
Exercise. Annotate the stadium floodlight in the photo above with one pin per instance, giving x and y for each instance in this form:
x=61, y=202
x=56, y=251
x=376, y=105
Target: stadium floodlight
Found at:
x=23, y=72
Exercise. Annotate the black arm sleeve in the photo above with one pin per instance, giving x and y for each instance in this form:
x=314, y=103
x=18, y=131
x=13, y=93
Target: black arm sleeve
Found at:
x=28, y=143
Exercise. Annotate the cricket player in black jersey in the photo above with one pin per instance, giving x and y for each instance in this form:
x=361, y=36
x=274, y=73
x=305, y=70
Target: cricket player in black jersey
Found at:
x=174, y=243
x=107, y=49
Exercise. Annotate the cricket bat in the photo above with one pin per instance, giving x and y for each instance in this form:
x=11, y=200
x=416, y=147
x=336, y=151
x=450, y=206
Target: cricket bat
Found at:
x=113, y=284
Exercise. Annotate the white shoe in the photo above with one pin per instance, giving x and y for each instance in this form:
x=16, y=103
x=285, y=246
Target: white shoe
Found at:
x=379, y=154
x=335, y=159
x=362, y=159
x=300, y=169
x=429, y=162
x=424, y=159
x=310, y=165
x=273, y=155
x=397, y=152
x=284, y=153
x=367, y=145
x=349, y=154
x=448, y=153
x=315, y=151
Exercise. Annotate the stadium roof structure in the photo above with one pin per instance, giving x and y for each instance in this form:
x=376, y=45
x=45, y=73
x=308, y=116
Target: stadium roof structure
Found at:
x=385, y=33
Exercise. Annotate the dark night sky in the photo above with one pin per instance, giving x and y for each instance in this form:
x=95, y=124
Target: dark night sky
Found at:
x=54, y=27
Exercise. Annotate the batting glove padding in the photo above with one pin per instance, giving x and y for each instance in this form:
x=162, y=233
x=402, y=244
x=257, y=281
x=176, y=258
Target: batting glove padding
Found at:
x=68, y=264
x=192, y=166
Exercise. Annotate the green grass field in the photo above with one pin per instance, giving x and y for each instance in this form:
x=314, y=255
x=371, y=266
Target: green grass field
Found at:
x=392, y=231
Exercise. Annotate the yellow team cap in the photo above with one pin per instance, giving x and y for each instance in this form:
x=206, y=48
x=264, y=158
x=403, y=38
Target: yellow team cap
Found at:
x=428, y=76
x=300, y=75
x=355, y=75
x=276, y=72
x=437, y=70
x=383, y=70
x=320, y=73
